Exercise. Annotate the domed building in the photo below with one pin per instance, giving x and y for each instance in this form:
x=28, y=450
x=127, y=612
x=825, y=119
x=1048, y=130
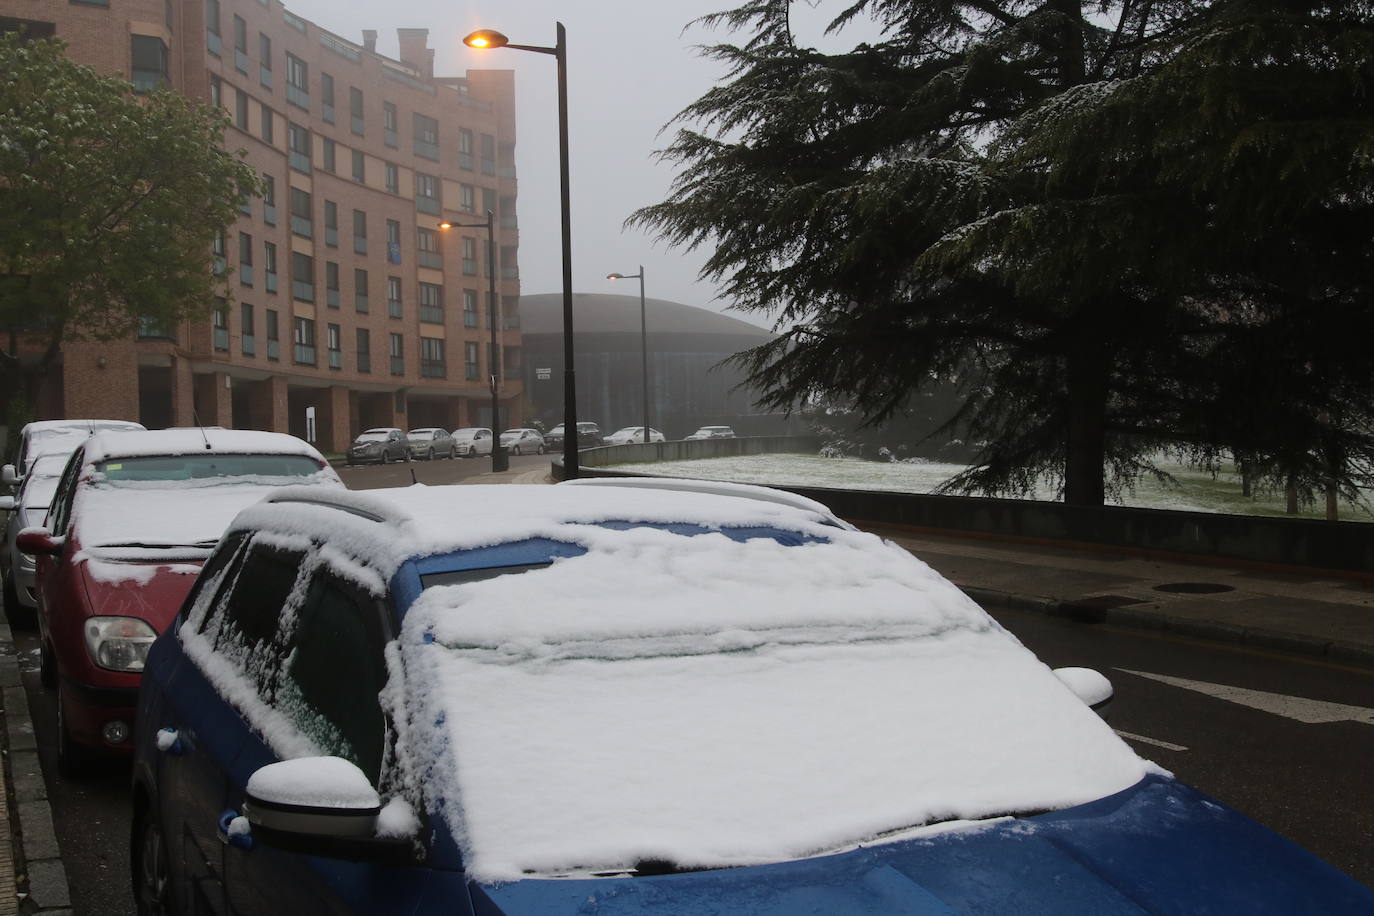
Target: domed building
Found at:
x=688, y=384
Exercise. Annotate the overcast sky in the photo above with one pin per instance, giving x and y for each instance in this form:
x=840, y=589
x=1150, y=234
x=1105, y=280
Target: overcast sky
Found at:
x=631, y=68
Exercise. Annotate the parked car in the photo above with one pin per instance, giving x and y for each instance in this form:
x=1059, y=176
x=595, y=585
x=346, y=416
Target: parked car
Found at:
x=522, y=442
x=632, y=434
x=458, y=699
x=26, y=509
x=382, y=445
x=472, y=441
x=48, y=437
x=713, y=432
x=133, y=517
x=588, y=436
x=430, y=442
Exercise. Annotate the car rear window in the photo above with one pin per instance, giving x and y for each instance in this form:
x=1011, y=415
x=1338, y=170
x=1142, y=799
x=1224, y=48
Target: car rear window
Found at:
x=196, y=467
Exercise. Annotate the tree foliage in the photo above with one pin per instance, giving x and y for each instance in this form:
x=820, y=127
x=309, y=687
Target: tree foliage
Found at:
x=1118, y=225
x=111, y=203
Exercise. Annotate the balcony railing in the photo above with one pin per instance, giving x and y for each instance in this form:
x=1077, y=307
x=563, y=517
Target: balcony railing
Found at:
x=248, y=344
x=433, y=368
x=305, y=354
x=398, y=365
x=431, y=259
x=273, y=349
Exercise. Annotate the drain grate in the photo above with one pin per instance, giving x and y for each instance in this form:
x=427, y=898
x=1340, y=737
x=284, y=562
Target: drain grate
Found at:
x=1195, y=588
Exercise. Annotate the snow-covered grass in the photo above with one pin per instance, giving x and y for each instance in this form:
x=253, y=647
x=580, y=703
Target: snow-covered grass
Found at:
x=1193, y=491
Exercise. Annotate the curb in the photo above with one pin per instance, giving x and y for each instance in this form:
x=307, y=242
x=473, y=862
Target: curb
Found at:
x=37, y=858
x=1214, y=631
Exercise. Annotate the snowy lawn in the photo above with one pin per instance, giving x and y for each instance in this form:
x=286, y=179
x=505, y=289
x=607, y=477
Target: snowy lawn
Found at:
x=1196, y=491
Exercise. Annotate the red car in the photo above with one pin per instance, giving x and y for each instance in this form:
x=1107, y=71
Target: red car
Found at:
x=134, y=516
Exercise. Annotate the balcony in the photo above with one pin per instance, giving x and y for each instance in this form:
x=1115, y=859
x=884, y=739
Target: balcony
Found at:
x=304, y=290
x=431, y=259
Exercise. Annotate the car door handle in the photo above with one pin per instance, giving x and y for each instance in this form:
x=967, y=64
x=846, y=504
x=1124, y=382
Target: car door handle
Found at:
x=234, y=830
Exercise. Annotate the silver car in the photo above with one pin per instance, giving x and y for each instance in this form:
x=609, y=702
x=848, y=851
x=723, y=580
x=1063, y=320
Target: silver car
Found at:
x=632, y=434
x=430, y=442
x=713, y=432
x=522, y=442
x=26, y=509
x=471, y=441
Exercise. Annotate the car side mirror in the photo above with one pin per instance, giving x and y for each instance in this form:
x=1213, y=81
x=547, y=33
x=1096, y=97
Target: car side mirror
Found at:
x=1090, y=686
x=6, y=503
x=8, y=475
x=38, y=542
x=321, y=806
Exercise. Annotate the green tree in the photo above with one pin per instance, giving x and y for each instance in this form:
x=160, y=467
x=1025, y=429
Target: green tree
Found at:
x=1077, y=211
x=111, y=202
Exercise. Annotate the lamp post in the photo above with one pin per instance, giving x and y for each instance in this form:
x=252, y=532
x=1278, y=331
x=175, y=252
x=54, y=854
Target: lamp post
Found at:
x=499, y=461
x=643, y=339
x=488, y=38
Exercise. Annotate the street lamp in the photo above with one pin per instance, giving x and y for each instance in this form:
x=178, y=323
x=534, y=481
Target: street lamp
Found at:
x=489, y=38
x=643, y=339
x=499, y=462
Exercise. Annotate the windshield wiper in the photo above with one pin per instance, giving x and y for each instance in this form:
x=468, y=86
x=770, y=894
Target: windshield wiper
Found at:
x=199, y=545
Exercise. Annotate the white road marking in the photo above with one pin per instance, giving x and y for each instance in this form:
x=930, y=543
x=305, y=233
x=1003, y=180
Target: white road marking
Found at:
x=1155, y=741
x=1300, y=709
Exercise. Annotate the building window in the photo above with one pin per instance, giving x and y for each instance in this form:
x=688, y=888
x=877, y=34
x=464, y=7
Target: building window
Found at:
x=212, y=38
x=302, y=213
x=269, y=200
x=471, y=370
x=489, y=201
x=305, y=341
x=393, y=178
x=360, y=290
x=431, y=303
x=510, y=269
x=265, y=60
x=267, y=125
x=220, y=320
x=245, y=259
x=273, y=336
x=269, y=266
x=467, y=198
x=355, y=110
x=297, y=82
x=248, y=341
x=470, y=257
x=470, y=317
x=333, y=344
x=426, y=137
x=217, y=265
x=393, y=242
x=359, y=166
x=432, y=358
x=167, y=16
x=398, y=355
x=393, y=297
x=240, y=45
x=488, y=154
x=240, y=108
x=427, y=247
x=216, y=92
x=364, y=350
x=464, y=148
x=329, y=155
x=331, y=284
x=149, y=62
x=327, y=98
x=331, y=224
x=359, y=232
x=298, y=142
x=389, y=124
x=512, y=362
x=302, y=277
x=426, y=193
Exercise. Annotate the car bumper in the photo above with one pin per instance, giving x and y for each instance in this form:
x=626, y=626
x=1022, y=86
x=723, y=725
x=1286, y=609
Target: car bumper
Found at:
x=88, y=708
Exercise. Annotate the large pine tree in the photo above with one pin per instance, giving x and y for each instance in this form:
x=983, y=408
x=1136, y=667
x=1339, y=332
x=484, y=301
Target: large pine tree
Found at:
x=1101, y=218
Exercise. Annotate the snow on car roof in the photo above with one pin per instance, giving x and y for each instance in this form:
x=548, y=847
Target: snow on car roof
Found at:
x=86, y=425
x=107, y=445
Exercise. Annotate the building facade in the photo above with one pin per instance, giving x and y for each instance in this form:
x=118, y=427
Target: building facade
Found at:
x=341, y=291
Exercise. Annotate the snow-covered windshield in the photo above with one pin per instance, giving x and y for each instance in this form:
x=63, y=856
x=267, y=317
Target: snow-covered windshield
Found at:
x=716, y=702
x=421, y=434
x=556, y=431
x=205, y=466
x=373, y=435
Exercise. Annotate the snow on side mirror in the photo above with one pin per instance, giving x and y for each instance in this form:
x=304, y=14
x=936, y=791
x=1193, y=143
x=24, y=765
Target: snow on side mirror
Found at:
x=6, y=503
x=38, y=542
x=1090, y=686
x=8, y=475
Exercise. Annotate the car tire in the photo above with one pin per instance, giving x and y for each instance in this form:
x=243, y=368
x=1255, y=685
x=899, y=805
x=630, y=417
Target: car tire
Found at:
x=386, y=457
x=452, y=453
x=429, y=455
x=148, y=869
x=19, y=616
x=540, y=449
x=47, y=666
x=72, y=758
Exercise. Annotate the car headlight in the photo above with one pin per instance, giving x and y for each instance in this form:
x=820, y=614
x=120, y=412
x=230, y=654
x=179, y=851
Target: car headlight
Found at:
x=119, y=643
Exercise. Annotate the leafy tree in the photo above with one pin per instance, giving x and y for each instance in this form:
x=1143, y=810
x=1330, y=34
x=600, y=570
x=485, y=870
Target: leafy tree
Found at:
x=111, y=203
x=1087, y=215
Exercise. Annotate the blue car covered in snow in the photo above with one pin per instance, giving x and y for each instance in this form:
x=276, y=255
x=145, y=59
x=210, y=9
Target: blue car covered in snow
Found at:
x=668, y=697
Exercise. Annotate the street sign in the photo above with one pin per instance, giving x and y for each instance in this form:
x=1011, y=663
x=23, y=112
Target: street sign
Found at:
x=543, y=375
x=309, y=424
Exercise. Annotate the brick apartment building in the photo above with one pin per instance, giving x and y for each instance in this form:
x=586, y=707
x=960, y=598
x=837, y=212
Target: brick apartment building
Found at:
x=344, y=295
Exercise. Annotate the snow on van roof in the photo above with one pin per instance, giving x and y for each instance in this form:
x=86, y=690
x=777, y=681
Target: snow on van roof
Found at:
x=86, y=425
x=106, y=445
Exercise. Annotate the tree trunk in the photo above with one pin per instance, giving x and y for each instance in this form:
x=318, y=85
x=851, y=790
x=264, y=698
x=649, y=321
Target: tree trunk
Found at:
x=1291, y=492
x=1085, y=449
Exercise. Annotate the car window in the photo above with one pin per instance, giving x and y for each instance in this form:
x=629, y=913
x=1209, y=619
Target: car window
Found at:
x=211, y=574
x=243, y=625
x=335, y=672
x=60, y=513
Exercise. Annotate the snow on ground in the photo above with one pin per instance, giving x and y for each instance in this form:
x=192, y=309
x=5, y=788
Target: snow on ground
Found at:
x=769, y=702
x=1198, y=491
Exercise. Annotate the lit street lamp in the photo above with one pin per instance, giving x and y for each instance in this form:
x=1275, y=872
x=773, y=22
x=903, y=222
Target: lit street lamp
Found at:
x=488, y=38
x=643, y=339
x=499, y=462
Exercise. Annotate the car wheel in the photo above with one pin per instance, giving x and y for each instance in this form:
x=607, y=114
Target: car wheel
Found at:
x=386, y=457
x=429, y=455
x=151, y=879
x=47, y=666
x=540, y=449
x=72, y=758
x=452, y=453
x=20, y=617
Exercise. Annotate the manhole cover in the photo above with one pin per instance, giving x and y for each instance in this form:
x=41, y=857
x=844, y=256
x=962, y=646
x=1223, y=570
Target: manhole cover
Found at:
x=1194, y=588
